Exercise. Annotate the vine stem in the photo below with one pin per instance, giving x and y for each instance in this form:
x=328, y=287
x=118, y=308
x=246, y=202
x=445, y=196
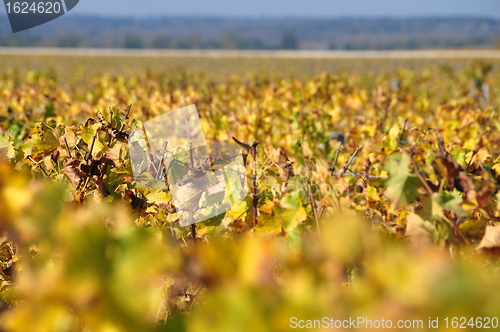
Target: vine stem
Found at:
x=332, y=168
x=39, y=165
x=67, y=147
x=311, y=199
x=346, y=167
x=125, y=117
x=419, y=175
x=429, y=190
x=471, y=159
x=255, y=198
x=193, y=231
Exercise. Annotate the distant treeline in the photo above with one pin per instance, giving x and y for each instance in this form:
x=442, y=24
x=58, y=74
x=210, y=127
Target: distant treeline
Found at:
x=263, y=33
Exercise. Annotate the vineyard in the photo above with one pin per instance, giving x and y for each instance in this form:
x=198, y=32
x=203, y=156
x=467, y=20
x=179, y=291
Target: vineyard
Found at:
x=371, y=194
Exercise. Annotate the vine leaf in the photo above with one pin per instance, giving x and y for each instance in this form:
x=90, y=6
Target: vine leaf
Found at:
x=402, y=185
x=281, y=160
x=457, y=177
x=43, y=144
x=6, y=147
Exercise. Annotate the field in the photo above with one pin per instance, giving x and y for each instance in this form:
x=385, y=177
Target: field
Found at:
x=374, y=193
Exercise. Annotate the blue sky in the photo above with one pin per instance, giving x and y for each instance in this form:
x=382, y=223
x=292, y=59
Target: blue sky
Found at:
x=314, y=8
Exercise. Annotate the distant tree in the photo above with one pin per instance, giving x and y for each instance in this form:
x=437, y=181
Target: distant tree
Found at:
x=184, y=43
x=68, y=41
x=289, y=40
x=254, y=44
x=349, y=46
x=162, y=42
x=412, y=43
x=132, y=41
x=333, y=46
x=210, y=44
x=16, y=40
x=231, y=41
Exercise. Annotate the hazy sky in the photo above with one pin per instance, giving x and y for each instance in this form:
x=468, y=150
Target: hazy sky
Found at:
x=324, y=8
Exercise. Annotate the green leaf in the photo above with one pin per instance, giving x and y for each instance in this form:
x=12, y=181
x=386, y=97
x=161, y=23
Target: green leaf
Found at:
x=402, y=185
x=390, y=141
x=50, y=110
x=177, y=171
x=294, y=238
x=215, y=199
x=290, y=211
x=451, y=201
x=290, y=219
x=459, y=154
x=235, y=187
x=291, y=201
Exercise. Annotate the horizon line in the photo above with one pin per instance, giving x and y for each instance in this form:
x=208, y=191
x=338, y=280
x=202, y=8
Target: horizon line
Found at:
x=296, y=54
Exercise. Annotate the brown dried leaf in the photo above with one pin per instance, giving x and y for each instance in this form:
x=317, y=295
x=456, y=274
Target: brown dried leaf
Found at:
x=169, y=207
x=456, y=176
x=101, y=187
x=280, y=158
x=491, y=240
x=133, y=199
x=484, y=193
x=75, y=175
